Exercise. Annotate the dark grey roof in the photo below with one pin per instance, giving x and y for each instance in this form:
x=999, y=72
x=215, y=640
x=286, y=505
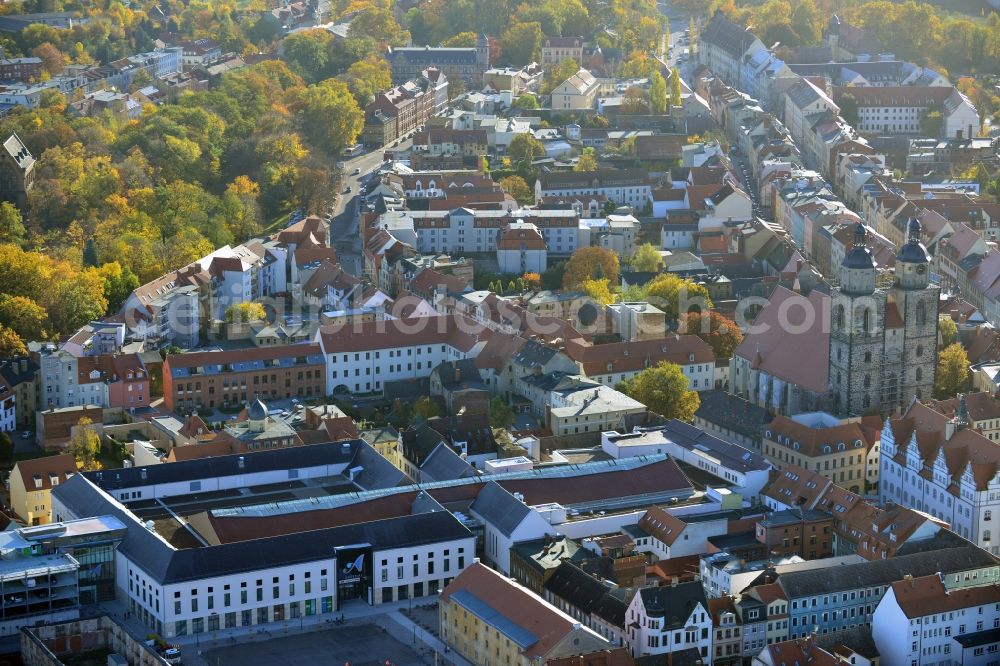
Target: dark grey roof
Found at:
x=730, y=37
x=443, y=464
x=978, y=638
x=642, y=278
x=733, y=413
x=581, y=590
x=858, y=639
x=375, y=471
x=167, y=565
x=499, y=508
x=913, y=252
x=674, y=603
x=433, y=55
x=257, y=410
x=798, y=584
x=732, y=456
x=688, y=657
x=208, y=468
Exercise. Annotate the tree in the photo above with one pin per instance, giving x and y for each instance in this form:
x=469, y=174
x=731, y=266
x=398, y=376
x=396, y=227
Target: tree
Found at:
x=466, y=40
x=587, y=160
x=527, y=102
x=522, y=43
x=637, y=66
x=10, y=343
x=664, y=390
x=378, y=24
x=523, y=150
x=599, y=290
x=635, y=101
x=90, y=253
x=367, y=77
x=85, y=444
x=647, y=259
x=328, y=115
x=306, y=53
x=6, y=449
x=501, y=415
x=719, y=331
x=241, y=313
x=848, y=104
x=518, y=188
x=952, y=372
x=23, y=316
x=931, y=123
x=558, y=73
x=11, y=224
x=674, y=295
x=947, y=331
x=657, y=93
x=675, y=88
x=426, y=407
x=590, y=263
x=53, y=60
x=119, y=282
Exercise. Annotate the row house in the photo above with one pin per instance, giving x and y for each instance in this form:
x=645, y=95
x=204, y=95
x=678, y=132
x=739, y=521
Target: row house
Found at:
x=920, y=621
x=724, y=46
x=613, y=363
x=403, y=109
x=900, y=109
x=938, y=464
x=464, y=230
x=64, y=380
x=630, y=187
x=670, y=619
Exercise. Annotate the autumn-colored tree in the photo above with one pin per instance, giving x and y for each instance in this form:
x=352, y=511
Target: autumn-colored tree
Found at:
x=532, y=280
x=646, y=258
x=23, y=316
x=11, y=224
x=947, y=331
x=328, y=115
x=367, y=77
x=247, y=311
x=599, y=290
x=638, y=65
x=719, y=331
x=931, y=123
x=523, y=149
x=657, y=93
x=119, y=282
x=306, y=53
x=664, y=390
x=587, y=160
x=85, y=445
x=10, y=343
x=675, y=88
x=522, y=43
x=378, y=24
x=952, y=372
x=465, y=40
x=518, y=188
x=558, y=73
x=675, y=295
x=635, y=101
x=53, y=60
x=590, y=263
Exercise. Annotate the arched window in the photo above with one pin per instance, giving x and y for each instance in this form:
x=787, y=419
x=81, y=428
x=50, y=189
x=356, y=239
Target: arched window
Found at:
x=920, y=375
x=866, y=321
x=840, y=316
x=921, y=314
x=920, y=351
x=868, y=357
x=868, y=381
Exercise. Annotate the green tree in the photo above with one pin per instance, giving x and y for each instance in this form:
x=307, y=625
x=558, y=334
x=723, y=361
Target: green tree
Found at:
x=952, y=372
x=657, y=93
x=6, y=449
x=558, y=73
x=526, y=101
x=675, y=88
x=590, y=263
x=426, y=407
x=119, y=282
x=378, y=24
x=718, y=330
x=587, y=160
x=90, y=253
x=647, y=259
x=367, y=77
x=501, y=415
x=11, y=224
x=931, y=123
x=240, y=313
x=306, y=53
x=947, y=331
x=522, y=43
x=518, y=188
x=85, y=445
x=524, y=149
x=466, y=40
x=848, y=104
x=11, y=343
x=674, y=294
x=664, y=390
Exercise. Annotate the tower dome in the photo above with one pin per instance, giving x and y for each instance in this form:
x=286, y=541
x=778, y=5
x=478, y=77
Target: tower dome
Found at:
x=257, y=415
x=913, y=251
x=859, y=256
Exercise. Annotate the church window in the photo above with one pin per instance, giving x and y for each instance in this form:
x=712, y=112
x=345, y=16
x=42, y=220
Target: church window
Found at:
x=921, y=314
x=868, y=357
x=866, y=321
x=868, y=381
x=919, y=374
x=866, y=401
x=840, y=316
x=920, y=351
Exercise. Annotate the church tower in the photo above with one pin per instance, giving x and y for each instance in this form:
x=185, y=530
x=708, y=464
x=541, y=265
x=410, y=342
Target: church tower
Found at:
x=917, y=302
x=857, y=330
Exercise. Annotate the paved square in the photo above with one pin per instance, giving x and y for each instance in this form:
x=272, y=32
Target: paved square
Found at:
x=364, y=645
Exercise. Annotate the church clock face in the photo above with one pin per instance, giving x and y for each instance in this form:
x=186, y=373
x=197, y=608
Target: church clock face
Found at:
x=921, y=269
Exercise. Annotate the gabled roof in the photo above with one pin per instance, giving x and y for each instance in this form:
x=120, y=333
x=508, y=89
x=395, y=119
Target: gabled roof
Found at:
x=45, y=469
x=674, y=603
x=927, y=595
x=500, y=508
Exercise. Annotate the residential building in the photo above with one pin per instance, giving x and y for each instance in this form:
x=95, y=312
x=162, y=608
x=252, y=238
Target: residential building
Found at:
x=983, y=412
x=723, y=45
x=463, y=230
x=727, y=641
x=941, y=466
x=557, y=49
x=31, y=484
x=20, y=375
x=797, y=651
x=629, y=187
x=844, y=451
x=20, y=69
x=661, y=620
x=900, y=110
x=807, y=534
x=578, y=92
x=589, y=408
x=480, y=605
x=920, y=621
x=17, y=172
x=229, y=378
x=400, y=111
x=521, y=249
x=596, y=603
